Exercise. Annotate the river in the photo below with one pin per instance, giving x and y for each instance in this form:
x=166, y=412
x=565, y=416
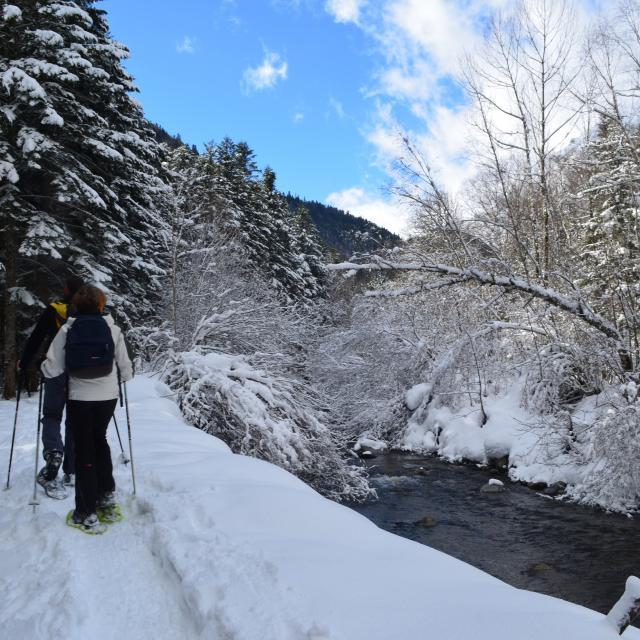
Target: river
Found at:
x=528, y=540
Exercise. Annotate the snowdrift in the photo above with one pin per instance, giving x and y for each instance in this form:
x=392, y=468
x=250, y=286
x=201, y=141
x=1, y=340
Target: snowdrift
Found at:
x=218, y=545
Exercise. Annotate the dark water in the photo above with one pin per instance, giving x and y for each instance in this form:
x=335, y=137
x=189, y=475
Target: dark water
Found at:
x=527, y=540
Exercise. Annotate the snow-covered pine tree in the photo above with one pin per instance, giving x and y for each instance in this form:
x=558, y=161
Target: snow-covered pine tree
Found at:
x=294, y=251
x=612, y=228
x=79, y=167
x=194, y=237
x=256, y=213
x=312, y=251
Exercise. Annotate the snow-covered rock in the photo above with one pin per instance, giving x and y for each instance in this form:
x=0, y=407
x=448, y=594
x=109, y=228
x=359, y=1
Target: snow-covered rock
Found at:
x=370, y=444
x=493, y=486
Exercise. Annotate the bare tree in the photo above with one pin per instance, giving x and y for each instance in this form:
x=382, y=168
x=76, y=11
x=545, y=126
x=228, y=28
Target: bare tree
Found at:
x=523, y=84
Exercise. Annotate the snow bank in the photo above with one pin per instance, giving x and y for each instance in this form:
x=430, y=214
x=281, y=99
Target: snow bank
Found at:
x=591, y=449
x=457, y=434
x=218, y=545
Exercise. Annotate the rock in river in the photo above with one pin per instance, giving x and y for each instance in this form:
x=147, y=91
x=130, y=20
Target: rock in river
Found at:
x=493, y=486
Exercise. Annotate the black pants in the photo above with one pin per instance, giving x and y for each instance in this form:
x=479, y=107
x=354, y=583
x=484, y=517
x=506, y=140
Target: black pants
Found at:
x=94, y=470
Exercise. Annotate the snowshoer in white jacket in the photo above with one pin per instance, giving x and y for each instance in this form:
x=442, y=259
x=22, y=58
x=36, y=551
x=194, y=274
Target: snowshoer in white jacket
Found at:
x=90, y=348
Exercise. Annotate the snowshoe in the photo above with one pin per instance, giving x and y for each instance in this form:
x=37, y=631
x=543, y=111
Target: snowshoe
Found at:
x=87, y=524
x=110, y=514
x=52, y=488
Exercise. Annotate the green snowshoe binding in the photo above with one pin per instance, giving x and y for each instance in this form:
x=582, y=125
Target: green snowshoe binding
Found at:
x=87, y=524
x=108, y=510
x=110, y=514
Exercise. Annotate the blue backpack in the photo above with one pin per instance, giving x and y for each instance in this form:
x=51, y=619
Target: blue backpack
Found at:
x=89, y=352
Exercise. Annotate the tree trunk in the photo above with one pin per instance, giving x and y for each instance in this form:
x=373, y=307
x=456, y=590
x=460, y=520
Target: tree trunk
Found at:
x=9, y=314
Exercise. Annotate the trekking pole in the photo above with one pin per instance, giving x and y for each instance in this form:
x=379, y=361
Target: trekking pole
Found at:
x=123, y=456
x=126, y=405
x=13, y=436
x=34, y=502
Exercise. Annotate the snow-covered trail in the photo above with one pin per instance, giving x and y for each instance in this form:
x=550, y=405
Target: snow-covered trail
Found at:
x=162, y=573
x=57, y=579
x=223, y=547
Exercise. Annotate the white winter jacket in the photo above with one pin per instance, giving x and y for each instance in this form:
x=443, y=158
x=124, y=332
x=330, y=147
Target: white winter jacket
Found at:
x=104, y=388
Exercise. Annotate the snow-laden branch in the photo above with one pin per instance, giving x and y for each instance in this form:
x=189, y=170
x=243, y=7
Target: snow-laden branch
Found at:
x=447, y=361
x=408, y=291
x=575, y=306
x=450, y=357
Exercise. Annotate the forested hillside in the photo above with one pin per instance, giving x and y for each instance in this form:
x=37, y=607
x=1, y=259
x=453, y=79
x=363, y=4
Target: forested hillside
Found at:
x=342, y=232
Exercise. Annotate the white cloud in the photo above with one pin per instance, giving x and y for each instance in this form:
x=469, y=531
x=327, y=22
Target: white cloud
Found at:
x=385, y=134
x=436, y=33
x=385, y=213
x=422, y=44
x=446, y=146
x=188, y=45
x=345, y=10
x=298, y=117
x=267, y=74
x=412, y=81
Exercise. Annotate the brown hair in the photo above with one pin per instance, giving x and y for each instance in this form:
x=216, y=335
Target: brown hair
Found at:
x=88, y=299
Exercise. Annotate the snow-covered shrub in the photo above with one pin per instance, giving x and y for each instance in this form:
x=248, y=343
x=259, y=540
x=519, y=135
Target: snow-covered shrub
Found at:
x=613, y=477
x=265, y=416
x=233, y=349
x=362, y=358
x=559, y=376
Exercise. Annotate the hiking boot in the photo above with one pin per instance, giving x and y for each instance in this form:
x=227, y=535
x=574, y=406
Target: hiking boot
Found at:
x=69, y=479
x=53, y=461
x=88, y=523
x=107, y=500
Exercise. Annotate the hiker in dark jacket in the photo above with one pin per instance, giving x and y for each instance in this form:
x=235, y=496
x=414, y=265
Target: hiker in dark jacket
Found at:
x=52, y=318
x=91, y=348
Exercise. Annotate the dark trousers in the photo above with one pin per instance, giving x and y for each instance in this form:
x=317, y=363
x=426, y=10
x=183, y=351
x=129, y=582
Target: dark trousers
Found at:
x=55, y=395
x=94, y=470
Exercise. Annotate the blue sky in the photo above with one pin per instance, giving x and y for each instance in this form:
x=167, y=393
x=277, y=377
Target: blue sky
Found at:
x=318, y=88
x=190, y=61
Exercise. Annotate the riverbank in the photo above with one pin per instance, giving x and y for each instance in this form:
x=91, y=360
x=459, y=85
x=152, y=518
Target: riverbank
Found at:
x=588, y=451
